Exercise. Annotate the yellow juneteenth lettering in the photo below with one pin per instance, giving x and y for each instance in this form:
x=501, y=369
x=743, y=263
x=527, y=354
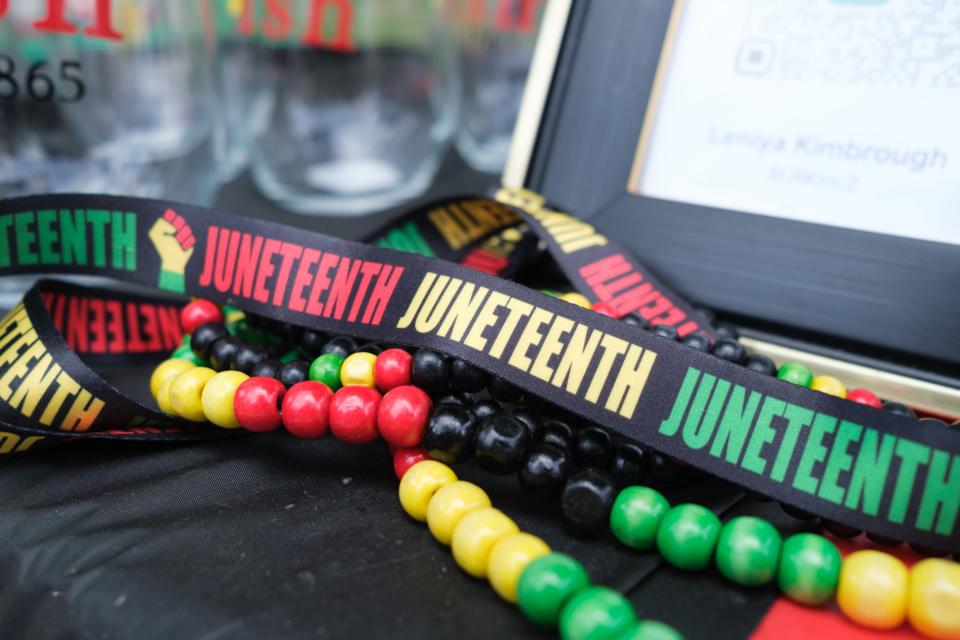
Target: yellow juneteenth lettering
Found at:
x=518, y=309
x=612, y=347
x=417, y=300
x=576, y=358
x=552, y=345
x=462, y=311
x=66, y=387
x=84, y=411
x=14, y=325
x=529, y=337
x=20, y=367
x=35, y=385
x=13, y=351
x=448, y=228
x=432, y=312
x=11, y=442
x=486, y=318
x=629, y=383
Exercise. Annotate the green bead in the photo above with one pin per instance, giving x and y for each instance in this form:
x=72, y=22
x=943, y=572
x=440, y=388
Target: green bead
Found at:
x=185, y=341
x=748, y=551
x=687, y=536
x=246, y=332
x=649, y=630
x=795, y=373
x=186, y=353
x=596, y=613
x=546, y=585
x=326, y=369
x=809, y=568
x=636, y=516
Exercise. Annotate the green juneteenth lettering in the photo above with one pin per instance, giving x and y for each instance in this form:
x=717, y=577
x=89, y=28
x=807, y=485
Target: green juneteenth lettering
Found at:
x=839, y=461
x=65, y=237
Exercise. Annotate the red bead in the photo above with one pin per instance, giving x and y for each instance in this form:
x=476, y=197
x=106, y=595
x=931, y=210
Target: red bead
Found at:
x=605, y=309
x=863, y=396
x=403, y=415
x=406, y=457
x=197, y=313
x=392, y=369
x=305, y=409
x=353, y=414
x=256, y=404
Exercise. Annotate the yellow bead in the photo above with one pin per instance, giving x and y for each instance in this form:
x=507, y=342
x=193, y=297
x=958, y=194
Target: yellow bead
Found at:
x=873, y=589
x=451, y=503
x=576, y=298
x=508, y=558
x=419, y=483
x=185, y=391
x=475, y=535
x=166, y=369
x=357, y=370
x=163, y=396
x=217, y=398
x=934, y=602
x=829, y=385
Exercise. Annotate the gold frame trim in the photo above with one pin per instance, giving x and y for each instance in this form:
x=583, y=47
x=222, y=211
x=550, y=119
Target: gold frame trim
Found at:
x=539, y=79
x=653, y=104
x=919, y=394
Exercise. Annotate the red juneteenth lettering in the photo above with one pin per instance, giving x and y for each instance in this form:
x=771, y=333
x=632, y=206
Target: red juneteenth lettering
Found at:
x=56, y=20
x=277, y=23
x=302, y=279
x=615, y=282
x=98, y=326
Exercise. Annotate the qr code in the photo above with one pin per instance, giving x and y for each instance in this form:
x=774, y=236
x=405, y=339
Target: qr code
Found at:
x=907, y=43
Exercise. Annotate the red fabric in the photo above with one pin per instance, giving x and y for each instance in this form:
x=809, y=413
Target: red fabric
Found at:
x=787, y=620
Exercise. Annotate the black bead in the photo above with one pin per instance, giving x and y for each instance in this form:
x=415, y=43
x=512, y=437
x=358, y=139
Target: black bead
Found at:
x=370, y=347
x=797, y=512
x=293, y=372
x=500, y=389
x=757, y=497
x=247, y=357
x=664, y=471
x=449, y=434
x=730, y=350
x=204, y=336
x=937, y=422
x=342, y=346
x=697, y=341
x=628, y=465
x=840, y=530
x=634, y=320
x=762, y=365
x=500, y=443
x=710, y=316
x=529, y=418
x=222, y=352
x=312, y=342
x=557, y=433
x=899, y=409
x=587, y=498
x=545, y=469
x=884, y=540
x=454, y=398
x=289, y=332
x=541, y=406
x=266, y=368
x=484, y=408
x=665, y=331
x=592, y=447
x=466, y=377
x=726, y=331
x=429, y=371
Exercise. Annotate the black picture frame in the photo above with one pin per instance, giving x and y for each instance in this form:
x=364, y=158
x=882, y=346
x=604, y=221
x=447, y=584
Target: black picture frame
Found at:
x=898, y=294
